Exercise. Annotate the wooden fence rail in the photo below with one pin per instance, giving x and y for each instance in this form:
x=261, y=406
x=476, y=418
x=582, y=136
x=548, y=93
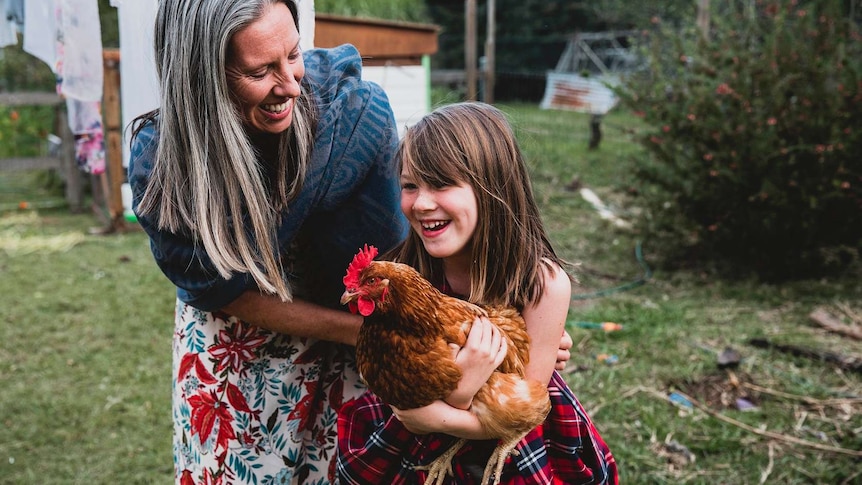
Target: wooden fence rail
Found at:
x=108, y=183
x=64, y=160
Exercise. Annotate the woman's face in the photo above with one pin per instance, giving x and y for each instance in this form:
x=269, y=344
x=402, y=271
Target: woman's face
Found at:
x=264, y=69
x=444, y=218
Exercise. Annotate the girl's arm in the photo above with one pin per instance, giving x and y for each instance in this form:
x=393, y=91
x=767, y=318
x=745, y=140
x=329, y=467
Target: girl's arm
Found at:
x=440, y=417
x=546, y=322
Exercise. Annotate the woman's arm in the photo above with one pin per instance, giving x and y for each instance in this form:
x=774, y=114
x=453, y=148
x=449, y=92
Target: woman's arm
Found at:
x=299, y=318
x=564, y=352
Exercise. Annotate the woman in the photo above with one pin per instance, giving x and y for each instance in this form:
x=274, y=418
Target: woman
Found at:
x=262, y=171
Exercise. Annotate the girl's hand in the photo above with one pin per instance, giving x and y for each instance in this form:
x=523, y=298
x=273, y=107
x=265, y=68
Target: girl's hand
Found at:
x=481, y=354
x=439, y=417
x=563, y=354
x=427, y=419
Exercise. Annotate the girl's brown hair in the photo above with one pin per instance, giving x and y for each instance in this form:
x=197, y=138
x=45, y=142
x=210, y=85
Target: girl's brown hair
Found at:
x=474, y=143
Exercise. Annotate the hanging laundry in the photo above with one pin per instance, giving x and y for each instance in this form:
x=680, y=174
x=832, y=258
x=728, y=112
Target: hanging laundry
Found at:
x=67, y=35
x=90, y=138
x=140, y=90
x=81, y=55
x=14, y=11
x=11, y=22
x=40, y=31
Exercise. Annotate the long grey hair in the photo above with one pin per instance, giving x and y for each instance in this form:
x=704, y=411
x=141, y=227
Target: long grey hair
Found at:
x=208, y=180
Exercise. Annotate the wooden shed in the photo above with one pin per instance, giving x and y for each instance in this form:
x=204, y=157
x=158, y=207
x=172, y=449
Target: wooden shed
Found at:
x=395, y=55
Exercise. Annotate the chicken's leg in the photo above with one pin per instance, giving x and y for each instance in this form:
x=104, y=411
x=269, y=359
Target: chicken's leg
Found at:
x=442, y=466
x=494, y=468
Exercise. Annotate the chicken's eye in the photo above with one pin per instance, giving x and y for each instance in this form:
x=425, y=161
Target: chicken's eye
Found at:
x=372, y=280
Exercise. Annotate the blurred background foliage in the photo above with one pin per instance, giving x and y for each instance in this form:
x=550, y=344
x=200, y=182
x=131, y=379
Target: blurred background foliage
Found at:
x=754, y=146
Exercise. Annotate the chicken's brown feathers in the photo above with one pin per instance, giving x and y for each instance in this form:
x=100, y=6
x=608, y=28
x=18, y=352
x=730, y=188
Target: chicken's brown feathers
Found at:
x=404, y=347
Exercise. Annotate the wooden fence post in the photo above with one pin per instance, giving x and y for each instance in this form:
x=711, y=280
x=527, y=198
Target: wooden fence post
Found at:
x=112, y=124
x=68, y=164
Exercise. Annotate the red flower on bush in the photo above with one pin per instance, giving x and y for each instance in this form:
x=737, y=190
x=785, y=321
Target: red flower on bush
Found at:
x=723, y=88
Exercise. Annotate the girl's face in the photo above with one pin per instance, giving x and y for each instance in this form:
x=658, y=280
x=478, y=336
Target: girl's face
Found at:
x=444, y=218
x=264, y=69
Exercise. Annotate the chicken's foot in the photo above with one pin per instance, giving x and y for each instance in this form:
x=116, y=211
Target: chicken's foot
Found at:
x=442, y=466
x=494, y=468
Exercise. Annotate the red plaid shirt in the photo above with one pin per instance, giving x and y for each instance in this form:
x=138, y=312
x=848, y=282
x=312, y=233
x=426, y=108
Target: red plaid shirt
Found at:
x=375, y=448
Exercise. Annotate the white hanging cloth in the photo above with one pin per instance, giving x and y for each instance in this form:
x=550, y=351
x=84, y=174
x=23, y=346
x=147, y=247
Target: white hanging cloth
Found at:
x=67, y=35
x=11, y=11
x=139, y=92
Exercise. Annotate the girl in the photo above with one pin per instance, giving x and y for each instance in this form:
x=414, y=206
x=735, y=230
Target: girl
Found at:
x=477, y=234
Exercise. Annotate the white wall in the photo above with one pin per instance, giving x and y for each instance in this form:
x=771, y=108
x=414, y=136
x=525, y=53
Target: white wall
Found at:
x=407, y=88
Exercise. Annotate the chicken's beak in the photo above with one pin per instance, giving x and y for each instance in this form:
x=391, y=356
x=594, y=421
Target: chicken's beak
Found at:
x=347, y=296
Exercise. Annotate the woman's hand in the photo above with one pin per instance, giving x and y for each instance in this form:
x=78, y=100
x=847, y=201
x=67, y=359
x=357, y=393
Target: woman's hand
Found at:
x=563, y=354
x=481, y=354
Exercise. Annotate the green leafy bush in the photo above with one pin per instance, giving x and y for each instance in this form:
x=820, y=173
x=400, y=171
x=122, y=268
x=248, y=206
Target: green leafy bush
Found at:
x=23, y=130
x=755, y=139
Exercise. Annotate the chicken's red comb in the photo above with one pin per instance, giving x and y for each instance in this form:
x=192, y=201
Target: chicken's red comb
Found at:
x=361, y=261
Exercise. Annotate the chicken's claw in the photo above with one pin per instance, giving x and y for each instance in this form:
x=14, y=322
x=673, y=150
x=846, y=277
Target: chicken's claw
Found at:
x=441, y=467
x=494, y=468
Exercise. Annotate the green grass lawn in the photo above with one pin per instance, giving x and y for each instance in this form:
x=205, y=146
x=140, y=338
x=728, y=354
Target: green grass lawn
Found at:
x=87, y=323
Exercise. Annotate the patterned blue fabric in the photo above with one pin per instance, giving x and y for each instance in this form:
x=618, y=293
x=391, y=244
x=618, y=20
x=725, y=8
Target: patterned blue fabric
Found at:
x=350, y=196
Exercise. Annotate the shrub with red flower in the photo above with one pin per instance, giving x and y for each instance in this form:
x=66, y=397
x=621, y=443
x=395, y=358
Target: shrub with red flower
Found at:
x=772, y=103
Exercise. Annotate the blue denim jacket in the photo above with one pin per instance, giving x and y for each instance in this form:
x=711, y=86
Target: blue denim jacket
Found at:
x=350, y=196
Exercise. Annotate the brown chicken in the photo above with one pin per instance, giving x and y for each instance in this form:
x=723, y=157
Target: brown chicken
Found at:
x=403, y=354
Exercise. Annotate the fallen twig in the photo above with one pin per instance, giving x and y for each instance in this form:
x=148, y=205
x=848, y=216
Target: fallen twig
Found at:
x=771, y=434
x=853, y=364
x=828, y=321
x=851, y=314
x=805, y=399
x=765, y=475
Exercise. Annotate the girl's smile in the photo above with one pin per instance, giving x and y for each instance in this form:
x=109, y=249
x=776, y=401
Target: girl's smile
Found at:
x=445, y=218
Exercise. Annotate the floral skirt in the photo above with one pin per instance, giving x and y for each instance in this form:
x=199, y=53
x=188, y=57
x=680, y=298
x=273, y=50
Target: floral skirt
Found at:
x=252, y=406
